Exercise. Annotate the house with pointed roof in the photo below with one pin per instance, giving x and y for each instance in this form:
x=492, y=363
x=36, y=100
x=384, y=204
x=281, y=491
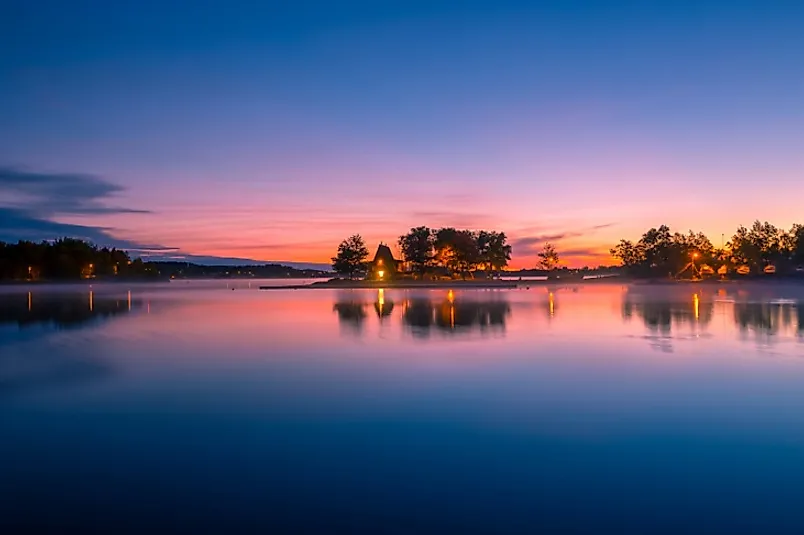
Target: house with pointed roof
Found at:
x=384, y=266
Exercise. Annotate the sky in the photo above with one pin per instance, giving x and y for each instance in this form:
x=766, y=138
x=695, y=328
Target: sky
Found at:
x=271, y=132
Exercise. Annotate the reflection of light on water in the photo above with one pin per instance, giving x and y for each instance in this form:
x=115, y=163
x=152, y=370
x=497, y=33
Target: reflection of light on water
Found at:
x=696, y=302
x=381, y=299
x=551, y=300
x=129, y=299
x=451, y=299
x=30, y=301
x=91, y=301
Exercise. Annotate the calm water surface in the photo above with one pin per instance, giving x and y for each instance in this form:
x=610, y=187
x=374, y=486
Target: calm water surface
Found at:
x=604, y=408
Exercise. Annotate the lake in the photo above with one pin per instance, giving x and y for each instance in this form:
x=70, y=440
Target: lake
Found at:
x=212, y=407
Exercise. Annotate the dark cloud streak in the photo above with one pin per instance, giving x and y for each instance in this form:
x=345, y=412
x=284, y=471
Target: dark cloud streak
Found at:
x=30, y=202
x=48, y=194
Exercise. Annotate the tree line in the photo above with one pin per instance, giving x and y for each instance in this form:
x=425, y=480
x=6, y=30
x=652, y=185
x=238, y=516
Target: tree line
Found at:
x=660, y=252
x=66, y=259
x=428, y=251
x=71, y=259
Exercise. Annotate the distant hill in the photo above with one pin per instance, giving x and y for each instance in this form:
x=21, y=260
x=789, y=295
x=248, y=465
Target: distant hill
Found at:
x=226, y=261
x=189, y=270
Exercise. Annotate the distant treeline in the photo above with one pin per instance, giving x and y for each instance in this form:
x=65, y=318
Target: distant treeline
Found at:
x=661, y=253
x=72, y=259
x=67, y=259
x=186, y=270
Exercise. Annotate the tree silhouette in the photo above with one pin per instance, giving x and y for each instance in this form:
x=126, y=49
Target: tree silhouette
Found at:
x=351, y=258
x=794, y=244
x=659, y=252
x=67, y=259
x=417, y=249
x=494, y=251
x=457, y=250
x=760, y=245
x=549, y=257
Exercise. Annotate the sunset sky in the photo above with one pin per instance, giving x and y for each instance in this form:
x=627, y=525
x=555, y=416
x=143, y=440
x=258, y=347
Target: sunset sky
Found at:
x=220, y=129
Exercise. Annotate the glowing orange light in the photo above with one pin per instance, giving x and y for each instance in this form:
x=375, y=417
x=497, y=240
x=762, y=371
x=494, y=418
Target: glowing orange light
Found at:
x=380, y=273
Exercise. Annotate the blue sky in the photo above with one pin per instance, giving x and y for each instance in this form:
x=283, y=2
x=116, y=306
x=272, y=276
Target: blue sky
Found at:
x=272, y=132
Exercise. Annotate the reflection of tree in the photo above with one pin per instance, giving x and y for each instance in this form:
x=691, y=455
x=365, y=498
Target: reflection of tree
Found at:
x=766, y=318
x=800, y=314
x=662, y=315
x=62, y=311
x=419, y=314
x=657, y=316
x=24, y=369
x=423, y=315
x=351, y=314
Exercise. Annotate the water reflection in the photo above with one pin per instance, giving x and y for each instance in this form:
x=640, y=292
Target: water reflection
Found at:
x=665, y=315
x=766, y=320
x=662, y=315
x=30, y=317
x=351, y=313
x=383, y=307
x=423, y=314
x=63, y=311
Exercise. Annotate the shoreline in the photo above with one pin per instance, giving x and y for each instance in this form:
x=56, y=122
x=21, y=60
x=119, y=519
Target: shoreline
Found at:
x=413, y=285
x=340, y=284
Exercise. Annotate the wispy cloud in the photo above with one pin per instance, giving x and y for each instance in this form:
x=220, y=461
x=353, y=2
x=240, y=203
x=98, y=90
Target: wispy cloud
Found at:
x=31, y=202
x=527, y=245
x=48, y=194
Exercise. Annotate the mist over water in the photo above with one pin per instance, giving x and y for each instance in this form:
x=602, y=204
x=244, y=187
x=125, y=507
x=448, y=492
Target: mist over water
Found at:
x=584, y=408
